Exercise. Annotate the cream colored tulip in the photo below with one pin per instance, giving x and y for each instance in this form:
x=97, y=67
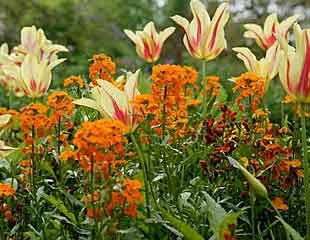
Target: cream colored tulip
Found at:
x=266, y=37
x=113, y=103
x=35, y=76
x=294, y=70
x=34, y=42
x=204, y=39
x=266, y=68
x=149, y=43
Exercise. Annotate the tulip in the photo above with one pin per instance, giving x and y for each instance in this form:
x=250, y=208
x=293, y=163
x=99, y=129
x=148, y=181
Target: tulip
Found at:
x=113, y=103
x=148, y=42
x=34, y=42
x=272, y=30
x=204, y=39
x=35, y=76
x=266, y=68
x=294, y=74
x=295, y=66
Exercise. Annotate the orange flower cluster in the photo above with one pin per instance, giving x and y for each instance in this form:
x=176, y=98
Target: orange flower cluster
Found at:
x=100, y=145
x=130, y=196
x=213, y=85
x=102, y=67
x=61, y=104
x=34, y=117
x=251, y=87
x=6, y=190
x=168, y=103
x=74, y=80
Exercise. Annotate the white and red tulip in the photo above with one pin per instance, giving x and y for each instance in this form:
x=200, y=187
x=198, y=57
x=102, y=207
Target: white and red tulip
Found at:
x=34, y=42
x=35, y=76
x=204, y=38
x=113, y=103
x=149, y=43
x=294, y=70
x=273, y=30
x=266, y=68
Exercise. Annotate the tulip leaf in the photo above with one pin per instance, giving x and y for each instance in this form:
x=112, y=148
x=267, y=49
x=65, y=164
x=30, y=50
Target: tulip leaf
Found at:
x=220, y=220
x=61, y=207
x=188, y=232
x=291, y=231
x=256, y=184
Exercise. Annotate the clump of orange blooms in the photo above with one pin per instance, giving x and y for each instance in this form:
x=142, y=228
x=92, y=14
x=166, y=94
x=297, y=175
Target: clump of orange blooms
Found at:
x=213, y=85
x=251, y=87
x=77, y=80
x=100, y=145
x=61, y=105
x=34, y=118
x=6, y=190
x=129, y=196
x=102, y=67
x=169, y=102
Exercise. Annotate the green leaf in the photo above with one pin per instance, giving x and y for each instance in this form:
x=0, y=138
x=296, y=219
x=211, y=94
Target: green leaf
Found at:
x=61, y=207
x=220, y=220
x=188, y=232
x=257, y=186
x=293, y=233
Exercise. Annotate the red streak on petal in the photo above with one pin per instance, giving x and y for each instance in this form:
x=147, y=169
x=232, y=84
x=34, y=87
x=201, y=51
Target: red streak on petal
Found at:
x=197, y=40
x=191, y=47
x=303, y=86
x=288, y=82
x=147, y=50
x=119, y=114
x=214, y=33
x=33, y=85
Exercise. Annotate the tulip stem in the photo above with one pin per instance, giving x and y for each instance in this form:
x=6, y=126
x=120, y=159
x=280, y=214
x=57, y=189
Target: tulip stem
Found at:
x=306, y=167
x=144, y=170
x=204, y=85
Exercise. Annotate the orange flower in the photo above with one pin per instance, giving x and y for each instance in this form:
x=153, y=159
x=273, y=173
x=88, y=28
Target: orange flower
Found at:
x=74, y=80
x=250, y=86
x=6, y=190
x=101, y=144
x=279, y=204
x=34, y=116
x=102, y=67
x=129, y=197
x=169, y=97
x=66, y=155
x=61, y=104
x=213, y=85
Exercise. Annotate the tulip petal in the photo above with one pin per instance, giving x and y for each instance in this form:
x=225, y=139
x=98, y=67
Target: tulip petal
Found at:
x=247, y=57
x=286, y=24
x=163, y=35
x=131, y=85
x=218, y=22
x=256, y=32
x=113, y=97
x=270, y=25
x=87, y=102
x=29, y=38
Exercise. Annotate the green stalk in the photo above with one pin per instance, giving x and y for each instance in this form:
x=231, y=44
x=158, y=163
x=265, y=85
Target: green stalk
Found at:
x=144, y=170
x=204, y=85
x=306, y=168
x=253, y=214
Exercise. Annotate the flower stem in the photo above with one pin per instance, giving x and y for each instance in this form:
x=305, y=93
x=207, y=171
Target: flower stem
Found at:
x=144, y=170
x=204, y=85
x=306, y=168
